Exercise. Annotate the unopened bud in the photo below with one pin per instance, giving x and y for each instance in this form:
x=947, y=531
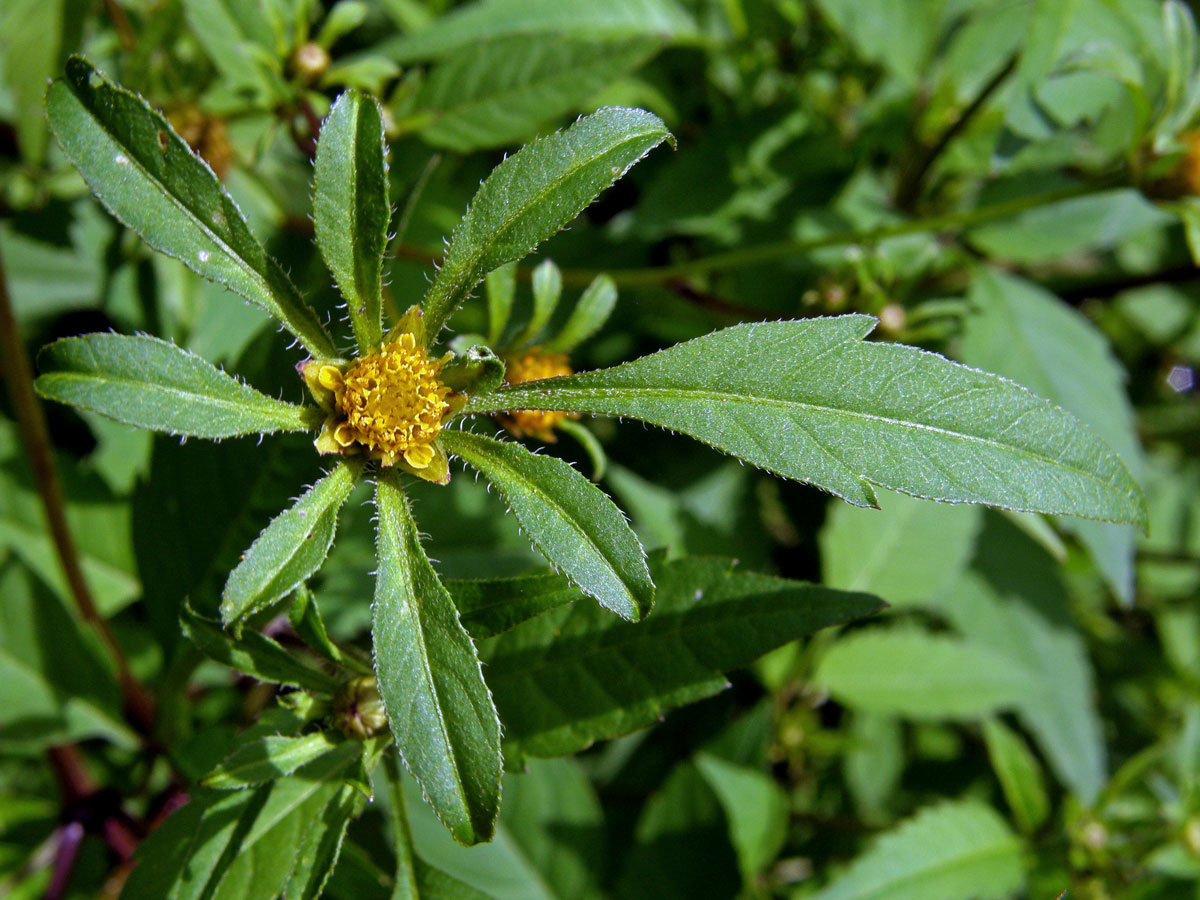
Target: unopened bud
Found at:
x=310, y=61
x=358, y=708
x=892, y=320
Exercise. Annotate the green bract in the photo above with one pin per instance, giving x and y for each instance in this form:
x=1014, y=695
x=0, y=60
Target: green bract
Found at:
x=808, y=400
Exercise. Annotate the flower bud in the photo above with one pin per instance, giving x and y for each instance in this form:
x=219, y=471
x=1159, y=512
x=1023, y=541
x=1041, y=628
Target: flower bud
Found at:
x=310, y=61
x=358, y=709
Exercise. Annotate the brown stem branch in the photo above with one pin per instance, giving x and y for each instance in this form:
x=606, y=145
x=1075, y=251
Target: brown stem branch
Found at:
x=912, y=176
x=120, y=22
x=18, y=374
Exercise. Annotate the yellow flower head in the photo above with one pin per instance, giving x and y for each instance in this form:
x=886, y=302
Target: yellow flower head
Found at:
x=533, y=365
x=391, y=403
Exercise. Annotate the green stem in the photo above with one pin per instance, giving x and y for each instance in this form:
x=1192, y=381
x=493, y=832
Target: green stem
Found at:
x=14, y=364
x=406, y=872
x=752, y=256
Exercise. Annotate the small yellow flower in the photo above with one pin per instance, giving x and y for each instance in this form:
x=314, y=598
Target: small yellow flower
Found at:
x=533, y=365
x=389, y=404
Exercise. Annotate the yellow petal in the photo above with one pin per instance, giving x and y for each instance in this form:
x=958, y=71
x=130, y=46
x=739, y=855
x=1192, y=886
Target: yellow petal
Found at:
x=330, y=377
x=419, y=456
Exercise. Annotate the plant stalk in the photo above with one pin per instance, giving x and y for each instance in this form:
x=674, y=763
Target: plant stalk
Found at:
x=674, y=275
x=777, y=250
x=406, y=873
x=18, y=374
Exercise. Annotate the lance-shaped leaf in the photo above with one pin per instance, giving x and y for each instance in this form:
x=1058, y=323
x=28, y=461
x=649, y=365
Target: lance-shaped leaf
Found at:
x=151, y=383
x=534, y=193
x=255, y=654
x=576, y=675
x=570, y=520
x=290, y=549
x=591, y=311
x=351, y=209
x=810, y=400
x=318, y=853
x=439, y=708
x=547, y=289
x=267, y=758
x=148, y=177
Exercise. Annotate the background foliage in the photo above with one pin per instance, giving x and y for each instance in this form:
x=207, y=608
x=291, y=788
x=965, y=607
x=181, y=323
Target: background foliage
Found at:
x=1010, y=183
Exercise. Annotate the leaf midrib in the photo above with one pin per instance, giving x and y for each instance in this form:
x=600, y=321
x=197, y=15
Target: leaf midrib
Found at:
x=261, y=401
x=704, y=394
x=404, y=546
x=326, y=496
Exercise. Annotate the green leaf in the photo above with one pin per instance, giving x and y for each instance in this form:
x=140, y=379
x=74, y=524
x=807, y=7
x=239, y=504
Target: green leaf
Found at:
x=255, y=654
x=1019, y=774
x=955, y=851
x=439, y=708
x=874, y=761
x=920, y=675
x=547, y=289
x=756, y=808
x=351, y=210
x=810, y=400
x=900, y=37
x=1014, y=603
x=151, y=383
x=148, y=177
x=490, y=606
x=533, y=194
x=34, y=36
x=575, y=675
x=501, y=288
x=231, y=846
x=305, y=617
x=236, y=37
x=318, y=853
x=570, y=520
x=266, y=759
x=909, y=552
x=1080, y=224
x=344, y=17
x=469, y=26
x=680, y=849
x=1023, y=332
x=55, y=683
x=549, y=842
x=99, y=521
x=290, y=549
x=591, y=311
x=499, y=92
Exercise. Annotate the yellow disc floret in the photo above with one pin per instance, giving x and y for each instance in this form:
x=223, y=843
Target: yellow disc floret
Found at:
x=533, y=365
x=390, y=402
